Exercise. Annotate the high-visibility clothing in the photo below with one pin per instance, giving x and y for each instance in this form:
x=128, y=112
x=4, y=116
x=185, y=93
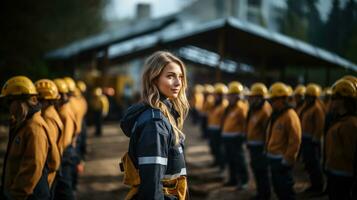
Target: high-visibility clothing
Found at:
x=26, y=157
x=215, y=116
x=197, y=101
x=341, y=145
x=257, y=124
x=234, y=123
x=284, y=136
x=101, y=103
x=312, y=121
x=208, y=104
x=69, y=129
x=55, y=128
x=79, y=107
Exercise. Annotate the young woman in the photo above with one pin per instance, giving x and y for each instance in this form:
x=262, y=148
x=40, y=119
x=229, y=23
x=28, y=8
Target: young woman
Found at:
x=154, y=127
x=25, y=170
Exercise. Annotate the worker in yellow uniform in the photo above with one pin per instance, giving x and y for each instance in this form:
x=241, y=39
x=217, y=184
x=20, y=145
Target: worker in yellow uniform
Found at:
x=79, y=112
x=257, y=120
x=312, y=118
x=79, y=95
x=100, y=106
x=299, y=94
x=233, y=136
x=64, y=187
x=25, y=171
x=215, y=121
x=48, y=95
x=208, y=104
x=283, y=141
x=341, y=142
x=197, y=103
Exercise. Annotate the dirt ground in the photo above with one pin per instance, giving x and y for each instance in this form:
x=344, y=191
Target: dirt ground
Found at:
x=102, y=178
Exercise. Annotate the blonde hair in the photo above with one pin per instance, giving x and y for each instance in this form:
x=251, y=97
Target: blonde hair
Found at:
x=150, y=94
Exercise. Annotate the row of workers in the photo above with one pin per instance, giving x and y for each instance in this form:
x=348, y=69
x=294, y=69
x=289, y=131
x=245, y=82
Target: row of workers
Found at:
x=47, y=134
x=277, y=126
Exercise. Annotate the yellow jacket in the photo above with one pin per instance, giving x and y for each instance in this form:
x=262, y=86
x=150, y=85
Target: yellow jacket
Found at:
x=101, y=103
x=235, y=120
x=26, y=158
x=258, y=122
x=69, y=126
x=215, y=116
x=197, y=101
x=312, y=121
x=55, y=128
x=284, y=136
x=208, y=104
x=76, y=109
x=341, y=144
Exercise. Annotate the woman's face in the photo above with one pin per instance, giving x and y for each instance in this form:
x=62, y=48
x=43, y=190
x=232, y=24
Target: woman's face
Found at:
x=170, y=80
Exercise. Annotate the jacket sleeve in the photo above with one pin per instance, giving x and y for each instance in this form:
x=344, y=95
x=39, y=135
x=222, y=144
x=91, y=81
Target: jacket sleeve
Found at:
x=32, y=164
x=152, y=153
x=294, y=138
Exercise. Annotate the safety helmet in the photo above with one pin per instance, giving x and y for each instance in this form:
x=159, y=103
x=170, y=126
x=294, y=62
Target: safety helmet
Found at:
x=70, y=83
x=209, y=88
x=18, y=85
x=300, y=90
x=235, y=87
x=97, y=91
x=47, y=89
x=313, y=89
x=82, y=86
x=344, y=88
x=198, y=88
x=258, y=89
x=61, y=85
x=351, y=78
x=278, y=89
x=220, y=88
x=290, y=90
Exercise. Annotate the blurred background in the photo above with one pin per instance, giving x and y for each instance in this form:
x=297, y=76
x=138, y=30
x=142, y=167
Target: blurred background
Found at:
x=105, y=43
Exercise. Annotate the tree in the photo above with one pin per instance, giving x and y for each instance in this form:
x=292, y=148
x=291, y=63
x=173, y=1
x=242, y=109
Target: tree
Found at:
x=294, y=22
x=31, y=28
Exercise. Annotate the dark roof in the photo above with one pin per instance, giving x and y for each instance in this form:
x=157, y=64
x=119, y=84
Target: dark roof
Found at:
x=239, y=40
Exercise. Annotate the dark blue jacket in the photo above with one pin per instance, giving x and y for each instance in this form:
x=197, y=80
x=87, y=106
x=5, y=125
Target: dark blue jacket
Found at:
x=152, y=149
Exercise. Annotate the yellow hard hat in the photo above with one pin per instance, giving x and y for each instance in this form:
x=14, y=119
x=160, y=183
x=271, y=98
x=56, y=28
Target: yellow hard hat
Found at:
x=313, y=89
x=47, y=89
x=209, y=88
x=290, y=90
x=258, y=89
x=351, y=78
x=18, y=85
x=278, y=89
x=198, y=88
x=300, y=90
x=70, y=83
x=97, y=91
x=82, y=86
x=61, y=85
x=344, y=88
x=235, y=87
x=220, y=88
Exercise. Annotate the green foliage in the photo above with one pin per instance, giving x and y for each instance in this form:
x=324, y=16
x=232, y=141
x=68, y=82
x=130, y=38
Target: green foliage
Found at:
x=31, y=28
